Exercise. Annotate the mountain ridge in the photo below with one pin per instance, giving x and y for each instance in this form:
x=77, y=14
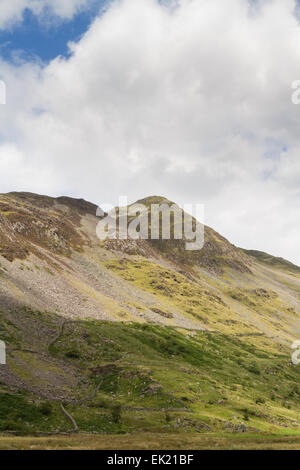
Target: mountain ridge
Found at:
x=271, y=260
x=86, y=207
x=94, y=324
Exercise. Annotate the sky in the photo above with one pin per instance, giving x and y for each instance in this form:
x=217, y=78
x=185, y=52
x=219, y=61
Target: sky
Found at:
x=188, y=99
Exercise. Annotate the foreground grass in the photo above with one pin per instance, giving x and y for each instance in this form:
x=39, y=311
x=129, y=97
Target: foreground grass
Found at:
x=152, y=441
x=116, y=378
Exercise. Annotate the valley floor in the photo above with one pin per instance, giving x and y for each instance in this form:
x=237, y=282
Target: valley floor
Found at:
x=153, y=441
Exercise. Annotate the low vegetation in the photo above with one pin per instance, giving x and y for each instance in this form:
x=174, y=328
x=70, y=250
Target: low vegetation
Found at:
x=143, y=378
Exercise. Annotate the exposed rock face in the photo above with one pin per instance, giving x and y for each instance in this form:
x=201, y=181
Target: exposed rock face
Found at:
x=51, y=259
x=28, y=222
x=2, y=353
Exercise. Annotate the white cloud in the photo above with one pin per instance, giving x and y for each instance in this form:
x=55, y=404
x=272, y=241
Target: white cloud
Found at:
x=190, y=102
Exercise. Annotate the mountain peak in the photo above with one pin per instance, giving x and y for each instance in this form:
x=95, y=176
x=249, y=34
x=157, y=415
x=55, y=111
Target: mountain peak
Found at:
x=147, y=201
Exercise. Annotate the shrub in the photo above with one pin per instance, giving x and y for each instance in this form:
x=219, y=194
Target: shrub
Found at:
x=46, y=409
x=168, y=418
x=73, y=354
x=260, y=400
x=11, y=425
x=116, y=413
x=253, y=367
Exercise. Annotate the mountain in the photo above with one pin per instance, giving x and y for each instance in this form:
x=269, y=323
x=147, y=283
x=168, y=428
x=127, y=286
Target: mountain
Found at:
x=140, y=335
x=273, y=261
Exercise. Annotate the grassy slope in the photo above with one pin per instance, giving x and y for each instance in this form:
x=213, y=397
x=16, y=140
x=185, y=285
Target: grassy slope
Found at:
x=231, y=304
x=145, y=378
x=273, y=261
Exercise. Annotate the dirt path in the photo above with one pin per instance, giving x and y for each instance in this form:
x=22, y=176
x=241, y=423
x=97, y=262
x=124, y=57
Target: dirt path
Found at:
x=70, y=418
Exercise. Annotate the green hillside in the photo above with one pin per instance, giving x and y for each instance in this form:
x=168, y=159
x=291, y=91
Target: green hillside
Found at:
x=118, y=378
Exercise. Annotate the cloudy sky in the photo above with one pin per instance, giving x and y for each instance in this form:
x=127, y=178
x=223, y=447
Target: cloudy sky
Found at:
x=190, y=99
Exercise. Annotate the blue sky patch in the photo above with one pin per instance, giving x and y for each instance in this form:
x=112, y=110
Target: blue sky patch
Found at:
x=32, y=38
